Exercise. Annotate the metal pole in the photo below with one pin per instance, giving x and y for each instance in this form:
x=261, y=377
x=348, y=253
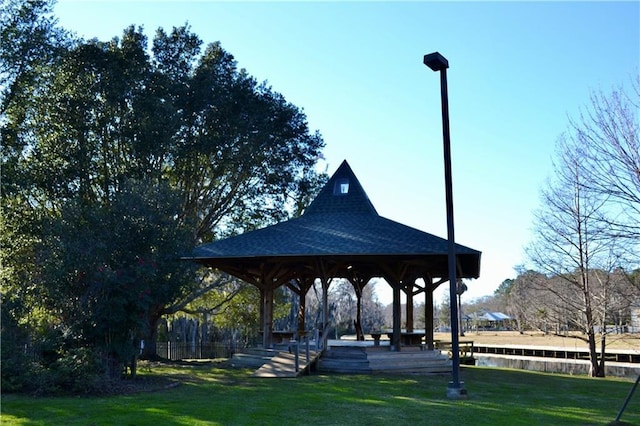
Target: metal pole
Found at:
x=448, y=182
x=437, y=62
x=626, y=401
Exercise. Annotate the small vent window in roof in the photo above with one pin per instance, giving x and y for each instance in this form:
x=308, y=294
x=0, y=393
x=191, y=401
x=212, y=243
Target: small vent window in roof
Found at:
x=341, y=187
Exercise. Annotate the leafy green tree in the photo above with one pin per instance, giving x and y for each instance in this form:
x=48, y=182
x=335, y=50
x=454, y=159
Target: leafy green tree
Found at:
x=30, y=40
x=82, y=121
x=107, y=267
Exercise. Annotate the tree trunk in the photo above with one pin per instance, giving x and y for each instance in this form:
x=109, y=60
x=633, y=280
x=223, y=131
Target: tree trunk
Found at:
x=113, y=366
x=149, y=351
x=596, y=369
x=302, y=308
x=603, y=344
x=134, y=366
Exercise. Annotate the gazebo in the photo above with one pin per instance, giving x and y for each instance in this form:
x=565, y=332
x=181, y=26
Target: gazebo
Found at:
x=340, y=235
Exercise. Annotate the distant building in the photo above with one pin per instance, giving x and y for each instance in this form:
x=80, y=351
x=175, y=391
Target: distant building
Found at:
x=491, y=321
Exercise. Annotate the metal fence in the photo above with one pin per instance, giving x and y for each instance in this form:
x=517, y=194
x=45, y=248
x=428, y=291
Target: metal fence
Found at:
x=194, y=350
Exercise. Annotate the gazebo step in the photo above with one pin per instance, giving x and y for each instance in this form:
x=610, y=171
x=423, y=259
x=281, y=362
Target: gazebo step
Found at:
x=382, y=360
x=345, y=352
x=344, y=365
x=396, y=356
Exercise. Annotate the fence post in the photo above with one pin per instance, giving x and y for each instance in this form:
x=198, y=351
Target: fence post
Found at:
x=307, y=342
x=296, y=354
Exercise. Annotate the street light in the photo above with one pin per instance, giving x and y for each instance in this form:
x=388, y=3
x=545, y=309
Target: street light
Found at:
x=455, y=389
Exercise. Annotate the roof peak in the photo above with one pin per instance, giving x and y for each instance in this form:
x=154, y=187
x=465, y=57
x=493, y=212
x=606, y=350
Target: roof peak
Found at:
x=343, y=193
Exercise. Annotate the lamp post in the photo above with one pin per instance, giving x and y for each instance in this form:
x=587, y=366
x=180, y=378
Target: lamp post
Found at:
x=455, y=389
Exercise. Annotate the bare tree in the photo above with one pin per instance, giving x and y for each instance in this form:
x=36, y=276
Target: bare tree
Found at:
x=513, y=293
x=606, y=135
x=588, y=228
x=571, y=242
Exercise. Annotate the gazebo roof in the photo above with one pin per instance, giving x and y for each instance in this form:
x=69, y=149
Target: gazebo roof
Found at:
x=340, y=234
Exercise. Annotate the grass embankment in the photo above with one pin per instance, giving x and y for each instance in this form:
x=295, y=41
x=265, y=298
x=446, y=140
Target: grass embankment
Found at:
x=613, y=342
x=209, y=394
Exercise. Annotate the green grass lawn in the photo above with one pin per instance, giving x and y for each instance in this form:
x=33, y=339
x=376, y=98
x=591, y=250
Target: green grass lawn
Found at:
x=210, y=395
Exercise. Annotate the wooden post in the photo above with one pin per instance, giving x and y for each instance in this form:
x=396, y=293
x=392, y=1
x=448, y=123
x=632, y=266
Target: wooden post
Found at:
x=409, y=308
x=263, y=328
x=428, y=314
x=397, y=317
x=267, y=338
x=325, y=305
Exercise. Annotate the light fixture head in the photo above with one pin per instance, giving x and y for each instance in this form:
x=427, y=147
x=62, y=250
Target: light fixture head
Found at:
x=436, y=61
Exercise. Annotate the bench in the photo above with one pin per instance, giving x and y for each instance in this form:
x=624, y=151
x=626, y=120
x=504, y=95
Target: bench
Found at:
x=465, y=348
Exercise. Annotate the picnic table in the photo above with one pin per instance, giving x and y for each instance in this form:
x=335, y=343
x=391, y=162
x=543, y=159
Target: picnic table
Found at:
x=409, y=338
x=282, y=336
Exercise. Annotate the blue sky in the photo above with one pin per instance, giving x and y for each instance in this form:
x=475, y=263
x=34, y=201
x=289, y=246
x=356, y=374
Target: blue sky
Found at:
x=518, y=71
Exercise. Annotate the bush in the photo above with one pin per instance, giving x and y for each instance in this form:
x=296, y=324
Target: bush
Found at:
x=16, y=369
x=75, y=372
x=16, y=365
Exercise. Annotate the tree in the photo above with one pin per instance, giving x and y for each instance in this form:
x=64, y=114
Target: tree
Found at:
x=30, y=39
x=524, y=302
x=342, y=301
x=105, y=268
x=606, y=135
x=444, y=311
x=85, y=121
x=575, y=249
x=372, y=309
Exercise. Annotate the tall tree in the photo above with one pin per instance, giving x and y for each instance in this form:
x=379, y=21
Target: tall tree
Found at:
x=606, y=134
x=570, y=245
x=81, y=125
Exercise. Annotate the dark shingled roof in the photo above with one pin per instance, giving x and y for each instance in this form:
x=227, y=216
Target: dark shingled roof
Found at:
x=341, y=225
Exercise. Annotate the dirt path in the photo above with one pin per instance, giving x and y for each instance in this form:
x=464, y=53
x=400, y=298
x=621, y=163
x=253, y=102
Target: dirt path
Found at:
x=614, y=341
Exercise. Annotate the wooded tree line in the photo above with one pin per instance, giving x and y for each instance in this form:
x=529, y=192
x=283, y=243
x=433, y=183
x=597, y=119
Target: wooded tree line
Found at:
x=118, y=157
